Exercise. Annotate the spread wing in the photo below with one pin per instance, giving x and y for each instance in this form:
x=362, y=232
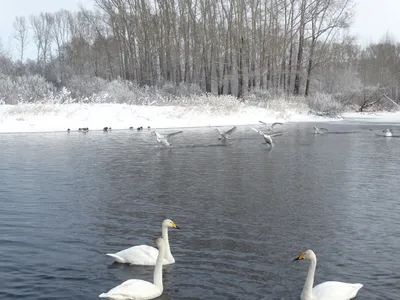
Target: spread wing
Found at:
x=216, y=129
x=276, y=134
x=160, y=136
x=230, y=131
x=276, y=123
x=323, y=129
x=258, y=131
x=172, y=134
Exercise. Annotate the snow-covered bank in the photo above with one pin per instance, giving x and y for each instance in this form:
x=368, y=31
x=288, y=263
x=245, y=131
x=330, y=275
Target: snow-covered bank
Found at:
x=59, y=117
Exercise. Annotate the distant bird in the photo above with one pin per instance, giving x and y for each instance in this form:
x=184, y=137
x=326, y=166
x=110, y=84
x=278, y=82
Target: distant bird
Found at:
x=140, y=128
x=84, y=129
x=148, y=127
x=225, y=135
x=267, y=137
x=105, y=129
x=319, y=130
x=164, y=140
x=68, y=130
x=268, y=127
x=388, y=132
x=131, y=128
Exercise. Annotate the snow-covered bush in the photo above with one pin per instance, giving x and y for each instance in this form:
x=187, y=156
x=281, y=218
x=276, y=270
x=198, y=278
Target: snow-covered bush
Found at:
x=324, y=105
x=82, y=87
x=31, y=88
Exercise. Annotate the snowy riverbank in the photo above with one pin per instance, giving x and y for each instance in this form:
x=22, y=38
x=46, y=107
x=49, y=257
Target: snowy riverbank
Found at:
x=59, y=117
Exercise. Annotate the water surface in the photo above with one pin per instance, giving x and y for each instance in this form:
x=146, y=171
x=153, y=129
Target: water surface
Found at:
x=244, y=211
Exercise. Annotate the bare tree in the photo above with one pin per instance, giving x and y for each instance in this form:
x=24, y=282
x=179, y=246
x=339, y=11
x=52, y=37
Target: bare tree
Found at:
x=21, y=34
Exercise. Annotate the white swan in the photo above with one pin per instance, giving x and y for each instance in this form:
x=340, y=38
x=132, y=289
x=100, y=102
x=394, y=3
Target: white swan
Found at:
x=269, y=128
x=226, y=134
x=144, y=254
x=320, y=130
x=137, y=289
x=164, y=140
x=388, y=133
x=267, y=137
x=329, y=290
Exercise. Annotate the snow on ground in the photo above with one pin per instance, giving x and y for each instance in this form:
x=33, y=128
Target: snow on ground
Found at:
x=59, y=117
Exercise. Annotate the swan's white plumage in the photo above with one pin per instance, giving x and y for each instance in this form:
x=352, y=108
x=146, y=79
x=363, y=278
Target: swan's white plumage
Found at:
x=320, y=130
x=226, y=134
x=143, y=290
x=329, y=290
x=332, y=290
x=388, y=133
x=267, y=137
x=138, y=255
x=136, y=289
x=147, y=255
x=164, y=140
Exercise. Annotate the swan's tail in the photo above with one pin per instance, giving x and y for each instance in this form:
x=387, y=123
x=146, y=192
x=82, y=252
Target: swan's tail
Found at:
x=357, y=287
x=117, y=258
x=103, y=295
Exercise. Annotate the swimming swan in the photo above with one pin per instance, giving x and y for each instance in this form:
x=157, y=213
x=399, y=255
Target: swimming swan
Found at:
x=137, y=289
x=329, y=290
x=267, y=137
x=144, y=254
x=320, y=130
x=388, y=133
x=225, y=135
x=268, y=127
x=164, y=140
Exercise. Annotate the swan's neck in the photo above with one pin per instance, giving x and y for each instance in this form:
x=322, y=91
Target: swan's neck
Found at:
x=306, y=294
x=158, y=281
x=168, y=254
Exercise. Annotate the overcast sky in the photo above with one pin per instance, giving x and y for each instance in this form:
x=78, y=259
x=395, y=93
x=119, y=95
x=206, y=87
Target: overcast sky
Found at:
x=373, y=18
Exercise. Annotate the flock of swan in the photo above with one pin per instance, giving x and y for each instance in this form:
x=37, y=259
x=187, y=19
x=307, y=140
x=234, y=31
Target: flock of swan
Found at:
x=164, y=140
x=266, y=133
x=137, y=289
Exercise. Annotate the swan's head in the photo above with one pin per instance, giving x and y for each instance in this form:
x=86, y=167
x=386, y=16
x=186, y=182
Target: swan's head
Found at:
x=315, y=128
x=169, y=223
x=160, y=243
x=308, y=255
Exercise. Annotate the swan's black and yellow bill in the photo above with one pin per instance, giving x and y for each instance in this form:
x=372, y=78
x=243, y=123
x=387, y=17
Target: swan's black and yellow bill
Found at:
x=175, y=226
x=300, y=257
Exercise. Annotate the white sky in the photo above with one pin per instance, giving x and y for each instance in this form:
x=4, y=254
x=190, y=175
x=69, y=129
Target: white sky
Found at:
x=373, y=18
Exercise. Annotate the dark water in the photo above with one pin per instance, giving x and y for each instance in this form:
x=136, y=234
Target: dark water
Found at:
x=244, y=212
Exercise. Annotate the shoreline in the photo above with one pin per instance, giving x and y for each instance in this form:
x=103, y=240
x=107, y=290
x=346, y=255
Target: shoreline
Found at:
x=36, y=118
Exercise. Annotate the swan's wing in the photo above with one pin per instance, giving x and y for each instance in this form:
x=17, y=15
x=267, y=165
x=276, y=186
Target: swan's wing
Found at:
x=133, y=289
x=323, y=129
x=230, y=131
x=274, y=124
x=276, y=134
x=336, y=290
x=139, y=255
x=172, y=134
x=216, y=129
x=160, y=136
x=258, y=131
x=263, y=123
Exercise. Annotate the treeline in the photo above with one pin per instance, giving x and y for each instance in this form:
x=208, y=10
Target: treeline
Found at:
x=231, y=47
